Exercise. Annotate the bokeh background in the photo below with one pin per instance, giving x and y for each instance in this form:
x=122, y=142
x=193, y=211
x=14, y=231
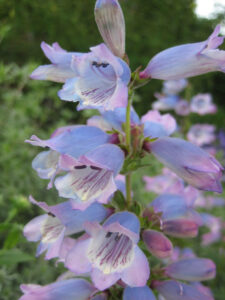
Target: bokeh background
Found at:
x=31, y=107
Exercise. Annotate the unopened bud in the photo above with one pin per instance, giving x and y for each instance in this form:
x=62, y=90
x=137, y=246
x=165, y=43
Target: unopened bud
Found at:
x=157, y=243
x=192, y=269
x=183, y=228
x=110, y=21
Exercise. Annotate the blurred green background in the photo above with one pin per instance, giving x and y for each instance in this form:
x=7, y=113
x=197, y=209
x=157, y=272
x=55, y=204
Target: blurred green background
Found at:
x=32, y=107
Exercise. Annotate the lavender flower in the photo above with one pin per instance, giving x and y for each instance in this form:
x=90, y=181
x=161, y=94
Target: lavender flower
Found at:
x=111, y=252
x=187, y=60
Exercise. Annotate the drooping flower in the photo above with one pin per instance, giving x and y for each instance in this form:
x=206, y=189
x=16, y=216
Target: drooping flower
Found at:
x=201, y=134
x=187, y=60
x=111, y=253
x=189, y=162
x=110, y=20
x=59, y=221
x=70, y=289
x=138, y=293
x=202, y=104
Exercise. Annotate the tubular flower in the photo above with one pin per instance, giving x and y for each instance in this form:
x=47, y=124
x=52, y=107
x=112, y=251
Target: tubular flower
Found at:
x=189, y=162
x=70, y=289
x=110, y=20
x=97, y=79
x=111, y=252
x=187, y=60
x=101, y=80
x=58, y=222
x=91, y=164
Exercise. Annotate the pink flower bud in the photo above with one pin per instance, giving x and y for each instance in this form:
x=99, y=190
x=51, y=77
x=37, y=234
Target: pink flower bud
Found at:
x=192, y=269
x=110, y=21
x=183, y=228
x=157, y=243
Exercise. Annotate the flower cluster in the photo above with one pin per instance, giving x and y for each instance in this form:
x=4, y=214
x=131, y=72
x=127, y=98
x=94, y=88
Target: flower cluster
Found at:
x=101, y=235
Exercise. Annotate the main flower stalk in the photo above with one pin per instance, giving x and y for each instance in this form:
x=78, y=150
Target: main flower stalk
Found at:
x=128, y=146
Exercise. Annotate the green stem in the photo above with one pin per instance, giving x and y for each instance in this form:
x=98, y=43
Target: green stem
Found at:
x=128, y=146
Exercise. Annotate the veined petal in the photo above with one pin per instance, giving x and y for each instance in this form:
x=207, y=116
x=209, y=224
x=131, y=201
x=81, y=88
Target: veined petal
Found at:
x=124, y=222
x=102, y=80
x=110, y=20
x=187, y=60
x=189, y=162
x=86, y=184
x=110, y=252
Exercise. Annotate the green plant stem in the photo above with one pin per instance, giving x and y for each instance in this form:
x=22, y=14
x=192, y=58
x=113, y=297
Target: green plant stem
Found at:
x=128, y=146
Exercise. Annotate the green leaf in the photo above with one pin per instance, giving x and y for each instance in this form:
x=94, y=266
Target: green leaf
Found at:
x=136, y=208
x=13, y=257
x=13, y=238
x=119, y=201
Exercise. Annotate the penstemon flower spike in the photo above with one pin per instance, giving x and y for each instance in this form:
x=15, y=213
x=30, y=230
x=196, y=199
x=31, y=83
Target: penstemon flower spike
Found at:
x=117, y=234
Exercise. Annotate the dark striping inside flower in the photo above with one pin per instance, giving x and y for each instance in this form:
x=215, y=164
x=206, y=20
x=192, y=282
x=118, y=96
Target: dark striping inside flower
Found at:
x=111, y=251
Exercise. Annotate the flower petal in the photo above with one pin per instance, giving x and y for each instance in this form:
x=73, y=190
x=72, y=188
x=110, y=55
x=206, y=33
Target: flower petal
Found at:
x=138, y=293
x=77, y=260
x=103, y=281
x=138, y=272
x=70, y=289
